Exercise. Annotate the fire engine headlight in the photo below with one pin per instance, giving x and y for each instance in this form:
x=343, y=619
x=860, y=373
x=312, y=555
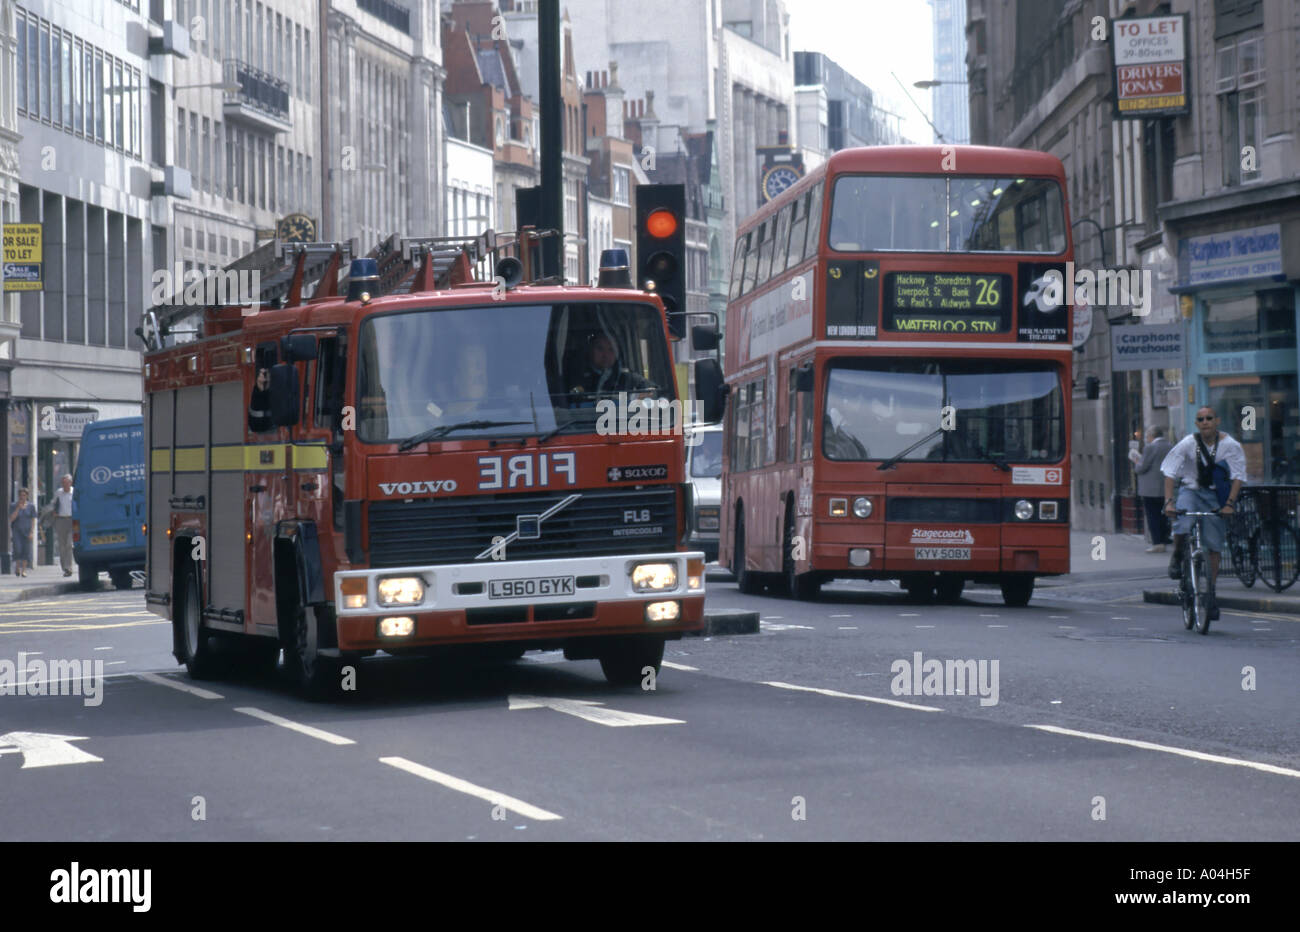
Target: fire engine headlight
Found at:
x=1024, y=510
x=654, y=577
x=401, y=590
x=862, y=507
x=839, y=507
x=396, y=627
x=663, y=611
x=706, y=519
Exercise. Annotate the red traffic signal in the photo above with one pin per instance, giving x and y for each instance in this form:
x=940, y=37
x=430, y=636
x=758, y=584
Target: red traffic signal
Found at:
x=661, y=223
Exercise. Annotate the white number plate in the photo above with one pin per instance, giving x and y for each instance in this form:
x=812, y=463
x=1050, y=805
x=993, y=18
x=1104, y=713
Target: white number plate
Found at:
x=538, y=585
x=943, y=553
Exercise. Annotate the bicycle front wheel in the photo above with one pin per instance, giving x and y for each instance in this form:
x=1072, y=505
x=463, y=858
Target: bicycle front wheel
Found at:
x=1200, y=589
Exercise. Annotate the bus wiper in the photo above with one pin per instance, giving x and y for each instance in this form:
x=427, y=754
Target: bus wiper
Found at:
x=433, y=433
x=993, y=458
x=889, y=463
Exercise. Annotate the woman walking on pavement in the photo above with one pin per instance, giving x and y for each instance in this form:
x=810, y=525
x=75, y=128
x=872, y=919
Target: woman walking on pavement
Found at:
x=21, y=517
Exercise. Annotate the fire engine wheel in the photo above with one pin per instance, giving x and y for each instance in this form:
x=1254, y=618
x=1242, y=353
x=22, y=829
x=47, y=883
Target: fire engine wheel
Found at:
x=625, y=661
x=195, y=641
x=747, y=581
x=316, y=676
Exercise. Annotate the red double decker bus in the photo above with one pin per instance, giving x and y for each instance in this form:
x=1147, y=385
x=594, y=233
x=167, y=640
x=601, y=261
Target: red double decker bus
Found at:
x=899, y=355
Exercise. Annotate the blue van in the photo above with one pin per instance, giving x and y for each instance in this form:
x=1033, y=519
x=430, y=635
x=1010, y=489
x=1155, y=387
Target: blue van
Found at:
x=108, y=502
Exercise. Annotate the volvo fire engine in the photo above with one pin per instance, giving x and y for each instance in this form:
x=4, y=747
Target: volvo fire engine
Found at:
x=412, y=460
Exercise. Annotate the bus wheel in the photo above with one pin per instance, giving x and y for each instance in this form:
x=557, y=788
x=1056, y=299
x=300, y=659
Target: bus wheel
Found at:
x=1016, y=590
x=948, y=589
x=801, y=586
x=88, y=577
x=920, y=588
x=195, y=641
x=747, y=581
x=317, y=677
x=625, y=661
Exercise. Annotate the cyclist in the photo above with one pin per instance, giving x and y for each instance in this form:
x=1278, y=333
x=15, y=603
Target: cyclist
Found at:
x=1201, y=460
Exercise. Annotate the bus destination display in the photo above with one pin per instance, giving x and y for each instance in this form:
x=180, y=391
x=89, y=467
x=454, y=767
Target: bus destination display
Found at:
x=947, y=302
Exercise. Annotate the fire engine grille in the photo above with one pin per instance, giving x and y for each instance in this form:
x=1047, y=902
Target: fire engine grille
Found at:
x=456, y=530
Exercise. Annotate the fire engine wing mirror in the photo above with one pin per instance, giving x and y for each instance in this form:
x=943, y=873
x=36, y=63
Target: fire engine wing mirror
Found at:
x=298, y=347
x=284, y=395
x=704, y=337
x=710, y=389
x=803, y=379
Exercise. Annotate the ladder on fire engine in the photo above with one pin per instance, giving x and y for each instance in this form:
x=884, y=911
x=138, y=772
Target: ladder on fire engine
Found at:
x=428, y=263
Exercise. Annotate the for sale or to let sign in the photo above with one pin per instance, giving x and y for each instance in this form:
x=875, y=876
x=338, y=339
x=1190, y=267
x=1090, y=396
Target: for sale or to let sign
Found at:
x=22, y=257
x=1151, y=69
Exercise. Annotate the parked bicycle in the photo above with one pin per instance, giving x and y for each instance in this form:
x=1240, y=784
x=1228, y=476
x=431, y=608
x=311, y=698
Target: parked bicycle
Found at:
x=1261, y=538
x=1194, y=587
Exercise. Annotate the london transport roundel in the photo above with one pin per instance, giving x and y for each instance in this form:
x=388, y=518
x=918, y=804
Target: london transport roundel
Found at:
x=777, y=179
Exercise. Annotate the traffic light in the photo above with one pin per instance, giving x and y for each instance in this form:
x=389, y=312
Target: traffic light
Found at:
x=661, y=248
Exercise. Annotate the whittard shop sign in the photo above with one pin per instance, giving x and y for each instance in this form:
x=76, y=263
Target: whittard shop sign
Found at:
x=1146, y=347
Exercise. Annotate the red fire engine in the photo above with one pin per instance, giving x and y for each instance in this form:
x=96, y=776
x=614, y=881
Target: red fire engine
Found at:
x=415, y=458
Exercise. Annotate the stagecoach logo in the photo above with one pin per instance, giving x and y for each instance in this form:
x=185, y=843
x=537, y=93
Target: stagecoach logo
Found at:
x=929, y=536
x=432, y=486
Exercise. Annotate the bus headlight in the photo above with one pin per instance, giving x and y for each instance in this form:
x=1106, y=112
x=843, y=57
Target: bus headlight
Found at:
x=1024, y=510
x=862, y=507
x=654, y=577
x=401, y=590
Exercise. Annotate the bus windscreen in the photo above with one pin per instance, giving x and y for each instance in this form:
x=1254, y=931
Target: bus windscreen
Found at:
x=951, y=214
x=1007, y=410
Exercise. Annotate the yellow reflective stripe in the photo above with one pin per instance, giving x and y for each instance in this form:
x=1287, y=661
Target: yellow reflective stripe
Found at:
x=310, y=456
x=228, y=458
x=191, y=459
x=262, y=457
x=160, y=461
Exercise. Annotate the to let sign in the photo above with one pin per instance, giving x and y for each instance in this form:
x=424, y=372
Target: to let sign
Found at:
x=22, y=257
x=1149, y=55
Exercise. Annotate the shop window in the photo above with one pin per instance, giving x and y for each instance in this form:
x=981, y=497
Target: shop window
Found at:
x=1261, y=321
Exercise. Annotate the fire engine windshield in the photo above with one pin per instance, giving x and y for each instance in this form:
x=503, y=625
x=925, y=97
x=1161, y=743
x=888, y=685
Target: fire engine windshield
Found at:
x=876, y=409
x=541, y=367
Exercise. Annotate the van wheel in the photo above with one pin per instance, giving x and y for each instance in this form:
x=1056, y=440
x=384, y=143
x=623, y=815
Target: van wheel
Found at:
x=747, y=581
x=121, y=579
x=87, y=577
x=195, y=640
x=315, y=676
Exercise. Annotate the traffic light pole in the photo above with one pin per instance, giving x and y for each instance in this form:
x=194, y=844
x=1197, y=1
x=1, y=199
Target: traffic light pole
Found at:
x=551, y=192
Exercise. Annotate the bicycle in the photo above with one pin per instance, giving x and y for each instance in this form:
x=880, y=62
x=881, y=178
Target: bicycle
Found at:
x=1242, y=542
x=1195, y=584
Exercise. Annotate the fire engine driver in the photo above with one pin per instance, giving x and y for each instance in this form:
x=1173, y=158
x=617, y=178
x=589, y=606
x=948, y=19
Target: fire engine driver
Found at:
x=603, y=375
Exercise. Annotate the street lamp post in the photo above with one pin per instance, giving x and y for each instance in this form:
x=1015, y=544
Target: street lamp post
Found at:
x=934, y=82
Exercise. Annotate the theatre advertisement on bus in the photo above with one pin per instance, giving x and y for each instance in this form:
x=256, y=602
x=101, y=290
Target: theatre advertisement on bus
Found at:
x=1149, y=57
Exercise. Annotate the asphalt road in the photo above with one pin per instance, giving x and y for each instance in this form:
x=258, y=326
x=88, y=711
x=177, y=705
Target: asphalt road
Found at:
x=1105, y=706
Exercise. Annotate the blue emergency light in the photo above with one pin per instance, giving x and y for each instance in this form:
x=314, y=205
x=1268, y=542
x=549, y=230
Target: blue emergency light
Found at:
x=363, y=278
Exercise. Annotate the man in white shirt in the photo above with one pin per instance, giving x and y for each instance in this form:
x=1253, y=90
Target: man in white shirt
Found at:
x=1193, y=460
x=63, y=523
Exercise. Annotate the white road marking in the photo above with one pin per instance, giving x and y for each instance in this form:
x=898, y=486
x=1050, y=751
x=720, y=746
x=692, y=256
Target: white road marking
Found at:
x=770, y=627
x=113, y=663
x=678, y=666
x=990, y=616
x=176, y=684
x=518, y=806
x=1057, y=617
x=909, y=614
x=1066, y=627
x=103, y=648
x=848, y=627
x=841, y=616
x=40, y=750
x=999, y=626
x=924, y=626
x=835, y=694
x=591, y=711
x=772, y=618
x=1056, y=702
x=308, y=730
x=1120, y=618
x=1181, y=752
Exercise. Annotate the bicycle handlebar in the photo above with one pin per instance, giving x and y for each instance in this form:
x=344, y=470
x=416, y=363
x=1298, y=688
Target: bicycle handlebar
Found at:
x=1200, y=514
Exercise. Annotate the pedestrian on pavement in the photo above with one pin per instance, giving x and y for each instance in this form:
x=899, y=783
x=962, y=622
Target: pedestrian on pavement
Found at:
x=63, y=523
x=21, y=518
x=1151, y=487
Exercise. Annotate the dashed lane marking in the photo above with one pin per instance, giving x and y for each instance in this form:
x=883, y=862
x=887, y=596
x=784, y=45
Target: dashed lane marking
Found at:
x=999, y=626
x=679, y=666
x=318, y=733
x=835, y=694
x=183, y=687
x=1167, y=749
x=518, y=806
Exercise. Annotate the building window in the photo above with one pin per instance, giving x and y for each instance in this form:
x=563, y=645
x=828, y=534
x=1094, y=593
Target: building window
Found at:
x=45, y=71
x=56, y=78
x=1264, y=320
x=21, y=23
x=622, y=185
x=1239, y=84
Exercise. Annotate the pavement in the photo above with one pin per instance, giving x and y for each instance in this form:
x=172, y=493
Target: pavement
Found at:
x=40, y=582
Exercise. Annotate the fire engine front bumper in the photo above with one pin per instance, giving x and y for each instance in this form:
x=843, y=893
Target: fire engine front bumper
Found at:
x=494, y=601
